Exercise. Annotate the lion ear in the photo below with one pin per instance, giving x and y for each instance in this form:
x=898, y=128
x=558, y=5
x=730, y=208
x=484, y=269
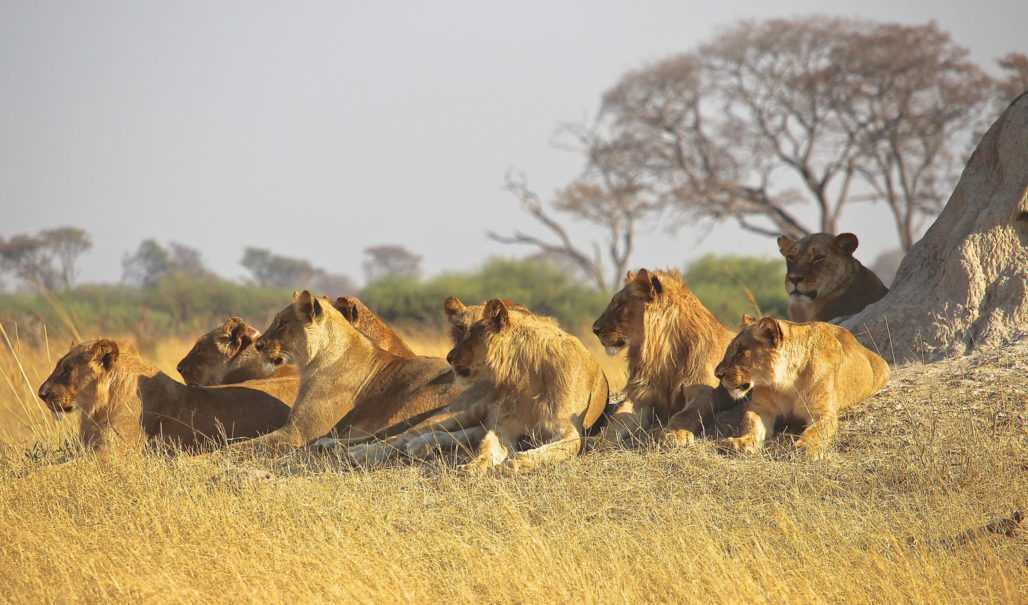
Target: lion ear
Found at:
x=769, y=331
x=747, y=319
x=241, y=334
x=105, y=352
x=846, y=243
x=629, y=277
x=785, y=245
x=649, y=282
x=346, y=306
x=496, y=314
x=308, y=306
x=452, y=306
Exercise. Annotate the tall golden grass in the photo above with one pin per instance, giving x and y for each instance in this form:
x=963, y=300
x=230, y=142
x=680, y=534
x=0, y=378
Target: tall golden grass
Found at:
x=941, y=450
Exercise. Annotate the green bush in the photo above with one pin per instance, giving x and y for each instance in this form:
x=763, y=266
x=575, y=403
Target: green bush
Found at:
x=721, y=282
x=537, y=285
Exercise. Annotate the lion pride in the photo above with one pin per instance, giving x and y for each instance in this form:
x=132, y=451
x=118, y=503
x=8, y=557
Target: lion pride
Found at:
x=674, y=343
x=809, y=372
x=824, y=281
x=125, y=402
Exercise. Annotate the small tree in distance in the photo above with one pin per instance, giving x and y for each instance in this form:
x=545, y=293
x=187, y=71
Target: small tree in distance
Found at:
x=390, y=261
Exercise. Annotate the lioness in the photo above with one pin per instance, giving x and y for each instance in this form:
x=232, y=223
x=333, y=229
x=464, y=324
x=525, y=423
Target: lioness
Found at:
x=225, y=355
x=125, y=401
x=674, y=343
x=548, y=387
x=806, y=371
x=823, y=280
x=345, y=380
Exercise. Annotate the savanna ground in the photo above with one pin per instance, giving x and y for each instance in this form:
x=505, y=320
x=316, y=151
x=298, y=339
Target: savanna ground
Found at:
x=944, y=448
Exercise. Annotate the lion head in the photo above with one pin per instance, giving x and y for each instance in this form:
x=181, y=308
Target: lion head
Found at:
x=78, y=373
x=752, y=356
x=461, y=317
x=621, y=323
x=818, y=265
x=469, y=353
x=217, y=353
x=371, y=325
x=292, y=335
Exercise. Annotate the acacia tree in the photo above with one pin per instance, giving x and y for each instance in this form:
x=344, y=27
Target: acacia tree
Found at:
x=48, y=259
x=1014, y=80
x=612, y=193
x=772, y=115
x=151, y=262
x=911, y=98
x=390, y=260
x=277, y=271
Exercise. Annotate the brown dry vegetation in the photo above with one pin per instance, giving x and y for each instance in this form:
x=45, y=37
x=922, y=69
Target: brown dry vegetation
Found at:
x=942, y=449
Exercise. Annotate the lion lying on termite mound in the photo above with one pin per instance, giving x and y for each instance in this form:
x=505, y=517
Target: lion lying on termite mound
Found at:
x=548, y=388
x=674, y=343
x=824, y=281
x=346, y=382
x=226, y=355
x=124, y=402
x=809, y=372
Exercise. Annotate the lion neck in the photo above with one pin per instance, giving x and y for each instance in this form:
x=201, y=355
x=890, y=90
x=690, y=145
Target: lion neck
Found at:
x=115, y=399
x=336, y=343
x=676, y=348
x=515, y=356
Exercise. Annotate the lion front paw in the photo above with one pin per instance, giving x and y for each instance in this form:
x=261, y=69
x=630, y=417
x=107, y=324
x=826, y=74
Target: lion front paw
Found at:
x=677, y=438
x=743, y=444
x=479, y=466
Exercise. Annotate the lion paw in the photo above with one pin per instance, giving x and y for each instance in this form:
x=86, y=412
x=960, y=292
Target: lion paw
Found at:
x=677, y=438
x=738, y=444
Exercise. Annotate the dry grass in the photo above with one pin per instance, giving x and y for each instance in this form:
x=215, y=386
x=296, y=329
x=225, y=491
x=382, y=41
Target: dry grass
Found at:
x=943, y=449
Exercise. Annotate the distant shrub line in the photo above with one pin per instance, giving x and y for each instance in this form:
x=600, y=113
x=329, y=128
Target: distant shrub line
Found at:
x=180, y=303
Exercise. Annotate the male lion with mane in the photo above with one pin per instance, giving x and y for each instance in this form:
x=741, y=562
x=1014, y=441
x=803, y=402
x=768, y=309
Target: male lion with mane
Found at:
x=346, y=381
x=549, y=389
x=809, y=372
x=124, y=402
x=674, y=343
x=824, y=281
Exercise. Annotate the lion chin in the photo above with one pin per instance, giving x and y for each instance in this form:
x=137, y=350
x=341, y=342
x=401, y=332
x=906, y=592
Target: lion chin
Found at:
x=738, y=392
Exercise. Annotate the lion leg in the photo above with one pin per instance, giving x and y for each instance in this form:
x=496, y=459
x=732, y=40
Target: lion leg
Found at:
x=756, y=423
x=682, y=427
x=378, y=452
x=815, y=438
x=627, y=423
x=424, y=445
x=494, y=448
x=565, y=445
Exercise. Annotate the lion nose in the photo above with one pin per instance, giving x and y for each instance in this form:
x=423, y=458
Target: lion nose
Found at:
x=596, y=328
x=719, y=372
x=44, y=392
x=259, y=345
x=449, y=357
x=794, y=278
x=180, y=367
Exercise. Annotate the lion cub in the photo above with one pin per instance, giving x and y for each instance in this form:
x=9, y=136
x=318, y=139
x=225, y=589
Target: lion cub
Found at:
x=810, y=371
x=548, y=388
x=124, y=402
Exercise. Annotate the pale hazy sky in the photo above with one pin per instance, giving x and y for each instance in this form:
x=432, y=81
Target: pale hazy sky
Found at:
x=319, y=128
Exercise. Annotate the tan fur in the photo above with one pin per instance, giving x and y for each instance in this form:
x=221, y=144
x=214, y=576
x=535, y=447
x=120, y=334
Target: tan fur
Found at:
x=549, y=389
x=824, y=281
x=457, y=425
x=345, y=381
x=810, y=372
x=674, y=344
x=372, y=326
x=226, y=355
x=124, y=402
